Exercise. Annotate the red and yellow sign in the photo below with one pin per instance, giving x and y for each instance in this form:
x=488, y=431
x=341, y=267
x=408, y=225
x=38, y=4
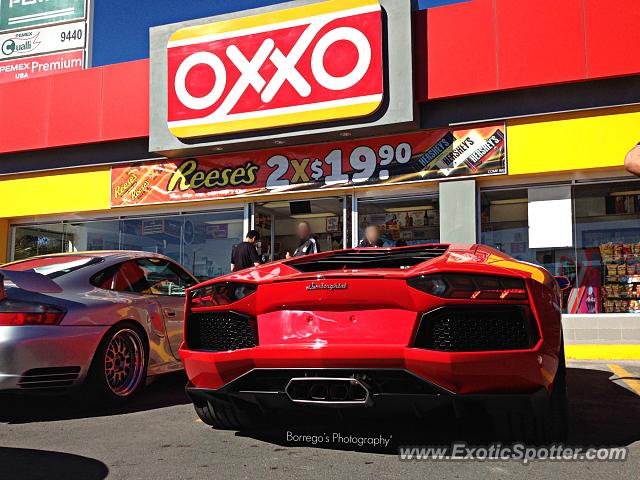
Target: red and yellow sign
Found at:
x=314, y=63
x=425, y=155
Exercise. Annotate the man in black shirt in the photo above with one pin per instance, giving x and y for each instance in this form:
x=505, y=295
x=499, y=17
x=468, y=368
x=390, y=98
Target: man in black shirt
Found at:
x=245, y=255
x=371, y=238
x=308, y=242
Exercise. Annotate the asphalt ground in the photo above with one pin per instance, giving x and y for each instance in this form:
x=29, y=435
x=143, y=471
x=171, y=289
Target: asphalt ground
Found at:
x=158, y=436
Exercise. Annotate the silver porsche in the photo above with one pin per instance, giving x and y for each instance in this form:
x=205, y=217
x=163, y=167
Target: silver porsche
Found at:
x=101, y=320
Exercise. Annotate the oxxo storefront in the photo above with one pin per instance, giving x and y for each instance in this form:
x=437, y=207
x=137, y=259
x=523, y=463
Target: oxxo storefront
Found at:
x=265, y=118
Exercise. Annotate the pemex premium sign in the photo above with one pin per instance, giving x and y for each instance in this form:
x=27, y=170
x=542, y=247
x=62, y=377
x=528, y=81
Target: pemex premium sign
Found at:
x=17, y=14
x=285, y=71
x=42, y=37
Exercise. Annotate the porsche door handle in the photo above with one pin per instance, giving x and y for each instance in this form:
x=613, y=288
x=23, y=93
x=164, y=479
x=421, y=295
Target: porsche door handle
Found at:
x=169, y=312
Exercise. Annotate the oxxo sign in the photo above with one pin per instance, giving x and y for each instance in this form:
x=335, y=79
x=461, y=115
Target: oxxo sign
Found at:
x=314, y=63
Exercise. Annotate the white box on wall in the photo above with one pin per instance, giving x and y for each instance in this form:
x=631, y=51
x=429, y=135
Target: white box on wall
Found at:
x=550, y=217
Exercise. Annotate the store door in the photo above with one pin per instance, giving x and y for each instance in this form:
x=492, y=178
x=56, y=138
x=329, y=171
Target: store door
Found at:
x=277, y=224
x=402, y=221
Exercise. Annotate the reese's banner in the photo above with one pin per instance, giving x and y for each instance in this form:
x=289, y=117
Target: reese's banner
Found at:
x=418, y=156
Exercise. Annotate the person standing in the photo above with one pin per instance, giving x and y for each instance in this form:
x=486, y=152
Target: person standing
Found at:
x=632, y=160
x=371, y=238
x=245, y=255
x=308, y=243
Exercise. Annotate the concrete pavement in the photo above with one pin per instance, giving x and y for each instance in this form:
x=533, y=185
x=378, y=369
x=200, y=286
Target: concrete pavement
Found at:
x=158, y=436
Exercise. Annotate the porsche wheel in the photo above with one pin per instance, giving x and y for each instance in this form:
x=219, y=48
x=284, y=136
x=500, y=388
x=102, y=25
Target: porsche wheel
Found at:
x=119, y=367
x=225, y=415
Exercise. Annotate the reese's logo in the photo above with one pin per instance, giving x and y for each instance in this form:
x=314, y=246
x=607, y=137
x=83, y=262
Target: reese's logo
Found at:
x=189, y=176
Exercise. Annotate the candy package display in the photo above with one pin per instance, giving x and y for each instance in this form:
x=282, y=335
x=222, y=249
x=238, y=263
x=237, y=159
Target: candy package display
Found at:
x=621, y=270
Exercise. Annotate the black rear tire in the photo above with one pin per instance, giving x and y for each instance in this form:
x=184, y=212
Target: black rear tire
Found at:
x=557, y=418
x=541, y=424
x=224, y=415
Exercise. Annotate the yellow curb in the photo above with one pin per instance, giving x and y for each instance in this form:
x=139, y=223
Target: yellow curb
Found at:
x=602, y=352
x=628, y=378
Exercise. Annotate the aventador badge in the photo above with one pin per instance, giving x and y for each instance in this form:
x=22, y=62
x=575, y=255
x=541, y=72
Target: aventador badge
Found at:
x=327, y=286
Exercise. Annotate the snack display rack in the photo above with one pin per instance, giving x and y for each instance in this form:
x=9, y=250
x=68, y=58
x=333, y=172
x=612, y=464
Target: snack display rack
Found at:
x=621, y=271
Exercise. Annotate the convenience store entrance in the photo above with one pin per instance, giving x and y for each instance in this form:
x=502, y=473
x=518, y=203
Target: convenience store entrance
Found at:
x=277, y=222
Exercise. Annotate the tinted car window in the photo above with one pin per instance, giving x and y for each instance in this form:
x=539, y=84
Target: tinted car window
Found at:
x=163, y=277
x=124, y=277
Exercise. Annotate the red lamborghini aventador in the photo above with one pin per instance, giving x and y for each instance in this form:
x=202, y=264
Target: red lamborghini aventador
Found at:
x=412, y=328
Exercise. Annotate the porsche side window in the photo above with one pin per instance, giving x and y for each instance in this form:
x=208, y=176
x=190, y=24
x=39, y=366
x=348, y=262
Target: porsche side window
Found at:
x=164, y=278
x=125, y=277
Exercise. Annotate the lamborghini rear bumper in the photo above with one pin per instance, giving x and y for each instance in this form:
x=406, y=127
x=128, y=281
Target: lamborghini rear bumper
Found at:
x=465, y=373
x=389, y=391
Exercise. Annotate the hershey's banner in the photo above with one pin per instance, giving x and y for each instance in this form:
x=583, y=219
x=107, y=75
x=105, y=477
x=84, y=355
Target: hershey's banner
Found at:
x=424, y=155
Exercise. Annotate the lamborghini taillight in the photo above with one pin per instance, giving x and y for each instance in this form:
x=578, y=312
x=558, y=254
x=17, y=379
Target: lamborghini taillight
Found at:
x=471, y=287
x=217, y=294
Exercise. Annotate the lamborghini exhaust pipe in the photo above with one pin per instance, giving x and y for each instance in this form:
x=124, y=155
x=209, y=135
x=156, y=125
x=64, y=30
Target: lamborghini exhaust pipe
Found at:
x=328, y=391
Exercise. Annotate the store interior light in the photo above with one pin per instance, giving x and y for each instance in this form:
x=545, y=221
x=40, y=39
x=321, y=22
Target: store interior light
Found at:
x=276, y=205
x=408, y=209
x=509, y=201
x=632, y=192
x=223, y=222
x=302, y=216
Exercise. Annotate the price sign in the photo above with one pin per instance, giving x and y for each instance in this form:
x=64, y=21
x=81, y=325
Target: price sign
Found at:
x=418, y=156
x=362, y=164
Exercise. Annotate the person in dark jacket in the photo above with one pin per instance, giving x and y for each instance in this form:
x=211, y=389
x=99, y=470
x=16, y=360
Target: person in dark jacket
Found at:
x=245, y=255
x=308, y=244
x=371, y=238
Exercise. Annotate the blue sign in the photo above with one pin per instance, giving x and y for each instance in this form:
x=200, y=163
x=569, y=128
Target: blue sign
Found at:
x=121, y=27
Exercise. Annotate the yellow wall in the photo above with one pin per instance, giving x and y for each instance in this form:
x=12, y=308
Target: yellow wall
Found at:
x=572, y=141
x=54, y=192
x=551, y=143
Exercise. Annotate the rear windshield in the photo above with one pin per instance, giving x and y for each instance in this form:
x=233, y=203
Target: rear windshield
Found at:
x=53, y=267
x=370, y=258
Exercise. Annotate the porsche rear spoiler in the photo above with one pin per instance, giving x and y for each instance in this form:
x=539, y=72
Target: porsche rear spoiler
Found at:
x=28, y=280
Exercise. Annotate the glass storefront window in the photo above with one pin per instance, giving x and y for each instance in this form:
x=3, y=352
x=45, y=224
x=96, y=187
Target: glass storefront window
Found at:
x=402, y=221
x=505, y=226
x=277, y=223
x=207, y=242
x=94, y=235
x=604, y=262
x=201, y=242
x=42, y=239
x=607, y=232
